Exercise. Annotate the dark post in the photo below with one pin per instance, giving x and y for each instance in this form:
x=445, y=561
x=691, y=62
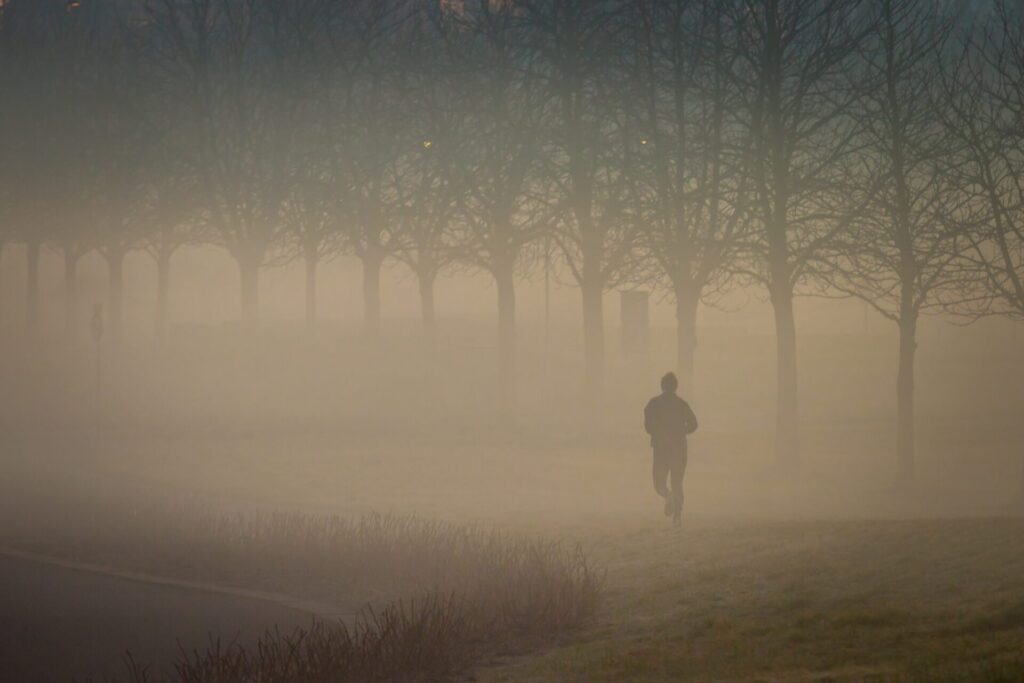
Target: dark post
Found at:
x=96, y=328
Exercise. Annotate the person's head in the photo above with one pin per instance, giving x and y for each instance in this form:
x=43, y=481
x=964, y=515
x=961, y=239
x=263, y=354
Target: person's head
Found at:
x=669, y=383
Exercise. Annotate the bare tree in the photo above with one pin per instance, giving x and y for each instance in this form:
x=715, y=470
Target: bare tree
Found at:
x=985, y=88
x=581, y=47
x=362, y=86
x=116, y=145
x=427, y=194
x=173, y=218
x=72, y=247
x=691, y=154
x=310, y=213
x=37, y=42
x=905, y=249
x=102, y=138
x=235, y=77
x=6, y=146
x=502, y=206
x=425, y=173
x=985, y=91
x=794, y=99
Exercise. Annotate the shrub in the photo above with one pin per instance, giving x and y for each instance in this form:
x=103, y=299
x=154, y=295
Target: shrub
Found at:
x=418, y=641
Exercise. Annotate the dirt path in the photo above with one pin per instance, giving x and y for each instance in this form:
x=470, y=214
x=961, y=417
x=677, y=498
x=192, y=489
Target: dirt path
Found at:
x=59, y=623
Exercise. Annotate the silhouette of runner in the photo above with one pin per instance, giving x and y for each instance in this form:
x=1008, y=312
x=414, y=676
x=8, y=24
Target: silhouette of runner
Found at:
x=668, y=419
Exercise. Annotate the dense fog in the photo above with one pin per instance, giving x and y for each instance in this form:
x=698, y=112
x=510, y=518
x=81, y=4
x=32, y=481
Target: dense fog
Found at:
x=316, y=307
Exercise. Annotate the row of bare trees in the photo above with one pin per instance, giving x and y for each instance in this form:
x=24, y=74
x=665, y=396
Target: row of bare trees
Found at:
x=870, y=148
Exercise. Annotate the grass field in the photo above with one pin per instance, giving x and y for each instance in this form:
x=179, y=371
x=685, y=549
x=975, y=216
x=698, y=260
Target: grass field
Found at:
x=801, y=601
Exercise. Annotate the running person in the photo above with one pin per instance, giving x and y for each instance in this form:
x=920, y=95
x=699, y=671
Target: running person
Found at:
x=669, y=419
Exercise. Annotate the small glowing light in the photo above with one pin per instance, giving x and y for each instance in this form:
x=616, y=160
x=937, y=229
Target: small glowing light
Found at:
x=643, y=141
x=427, y=144
x=72, y=5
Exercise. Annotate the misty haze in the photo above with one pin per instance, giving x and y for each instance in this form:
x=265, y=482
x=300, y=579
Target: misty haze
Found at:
x=511, y=340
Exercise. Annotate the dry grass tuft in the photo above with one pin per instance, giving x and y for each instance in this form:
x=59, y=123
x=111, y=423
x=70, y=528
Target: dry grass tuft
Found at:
x=417, y=641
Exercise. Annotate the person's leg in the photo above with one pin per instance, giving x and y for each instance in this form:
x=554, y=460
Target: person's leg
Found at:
x=660, y=470
x=678, y=470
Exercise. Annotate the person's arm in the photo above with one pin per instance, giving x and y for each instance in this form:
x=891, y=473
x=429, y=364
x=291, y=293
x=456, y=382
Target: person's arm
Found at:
x=649, y=418
x=691, y=419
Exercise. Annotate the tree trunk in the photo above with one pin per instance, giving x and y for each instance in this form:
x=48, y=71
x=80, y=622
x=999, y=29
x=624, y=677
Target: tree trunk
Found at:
x=163, y=285
x=905, y=397
x=32, y=289
x=70, y=293
x=547, y=298
x=686, y=332
x=426, y=283
x=593, y=343
x=504, y=278
x=372, y=263
x=115, y=268
x=1, y=278
x=249, y=279
x=311, y=260
x=787, y=434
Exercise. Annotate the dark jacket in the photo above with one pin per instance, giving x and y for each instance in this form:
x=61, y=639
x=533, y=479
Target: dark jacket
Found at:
x=668, y=419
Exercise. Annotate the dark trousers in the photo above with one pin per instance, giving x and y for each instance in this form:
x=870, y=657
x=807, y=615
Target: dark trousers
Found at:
x=670, y=464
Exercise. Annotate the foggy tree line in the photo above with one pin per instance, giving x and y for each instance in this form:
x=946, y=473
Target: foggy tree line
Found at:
x=870, y=148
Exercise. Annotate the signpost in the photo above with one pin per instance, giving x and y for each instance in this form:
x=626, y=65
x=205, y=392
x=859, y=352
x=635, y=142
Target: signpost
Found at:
x=96, y=328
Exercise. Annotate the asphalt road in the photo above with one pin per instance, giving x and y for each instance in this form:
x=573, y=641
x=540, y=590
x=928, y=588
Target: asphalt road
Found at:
x=60, y=624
